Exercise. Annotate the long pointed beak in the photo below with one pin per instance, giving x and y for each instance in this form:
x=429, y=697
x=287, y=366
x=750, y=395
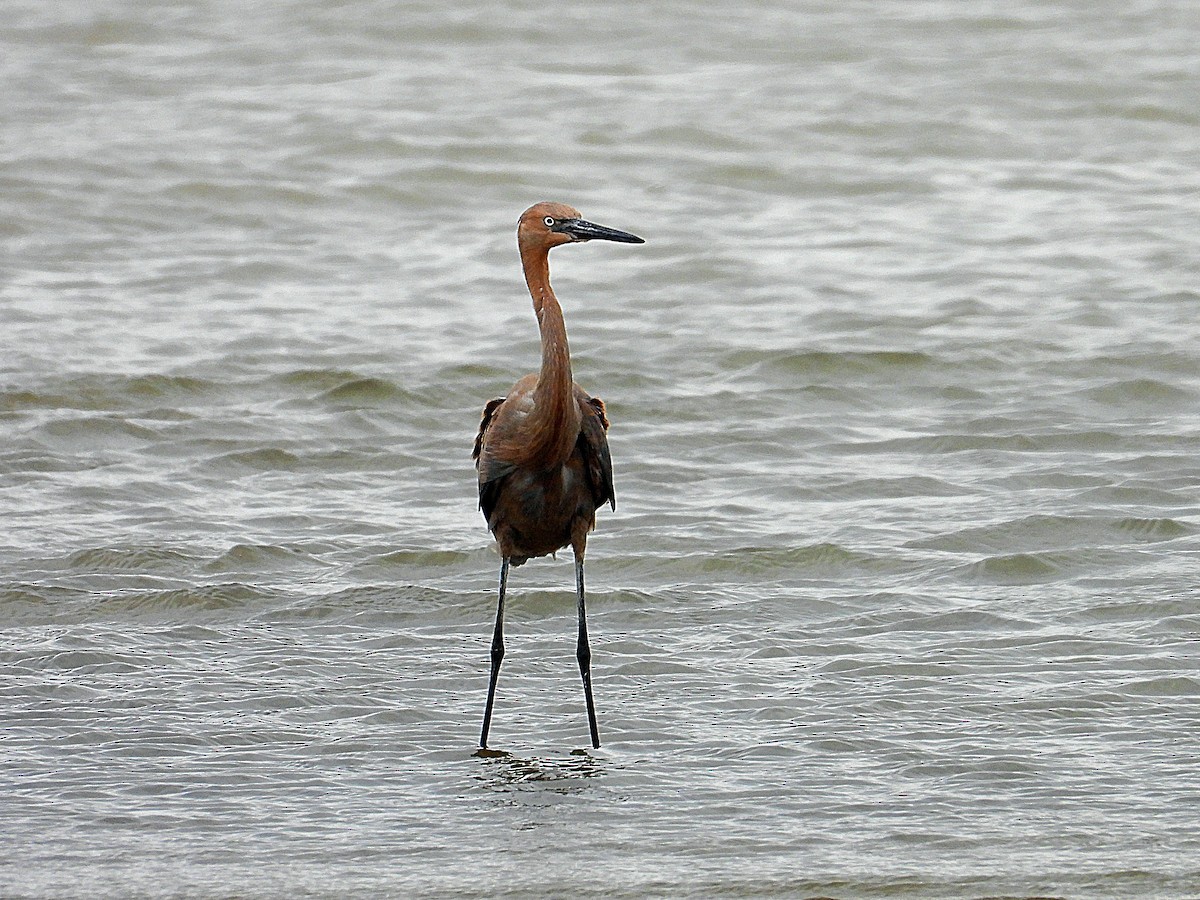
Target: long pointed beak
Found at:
x=582, y=230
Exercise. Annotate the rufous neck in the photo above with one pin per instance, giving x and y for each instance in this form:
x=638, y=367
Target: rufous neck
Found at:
x=556, y=354
x=555, y=419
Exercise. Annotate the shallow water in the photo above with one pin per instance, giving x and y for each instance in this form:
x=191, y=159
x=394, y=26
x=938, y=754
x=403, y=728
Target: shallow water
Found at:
x=900, y=597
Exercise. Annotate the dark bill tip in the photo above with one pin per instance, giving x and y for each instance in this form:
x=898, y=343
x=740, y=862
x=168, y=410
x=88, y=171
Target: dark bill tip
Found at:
x=583, y=230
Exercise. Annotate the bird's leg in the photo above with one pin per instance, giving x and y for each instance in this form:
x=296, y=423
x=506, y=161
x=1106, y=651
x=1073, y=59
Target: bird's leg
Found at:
x=497, y=655
x=583, y=652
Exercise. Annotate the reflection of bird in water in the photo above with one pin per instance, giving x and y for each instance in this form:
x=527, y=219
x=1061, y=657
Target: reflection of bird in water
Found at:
x=562, y=776
x=542, y=453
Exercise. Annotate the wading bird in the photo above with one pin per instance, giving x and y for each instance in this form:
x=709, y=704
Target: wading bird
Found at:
x=542, y=453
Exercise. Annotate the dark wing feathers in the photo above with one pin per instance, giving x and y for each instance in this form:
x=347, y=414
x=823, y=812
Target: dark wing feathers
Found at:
x=593, y=444
x=484, y=422
x=491, y=471
x=489, y=495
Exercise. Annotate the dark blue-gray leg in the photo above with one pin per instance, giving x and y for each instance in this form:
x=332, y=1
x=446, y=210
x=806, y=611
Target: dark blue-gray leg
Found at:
x=583, y=653
x=497, y=655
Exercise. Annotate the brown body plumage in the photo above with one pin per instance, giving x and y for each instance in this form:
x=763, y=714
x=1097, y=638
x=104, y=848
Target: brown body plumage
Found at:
x=542, y=453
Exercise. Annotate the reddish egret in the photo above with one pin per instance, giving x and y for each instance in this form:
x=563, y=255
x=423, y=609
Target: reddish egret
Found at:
x=542, y=453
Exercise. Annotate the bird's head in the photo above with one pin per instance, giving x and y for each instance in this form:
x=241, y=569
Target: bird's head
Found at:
x=550, y=224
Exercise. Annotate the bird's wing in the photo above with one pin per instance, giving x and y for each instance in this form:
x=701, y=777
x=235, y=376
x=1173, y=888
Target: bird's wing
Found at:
x=484, y=422
x=491, y=470
x=593, y=444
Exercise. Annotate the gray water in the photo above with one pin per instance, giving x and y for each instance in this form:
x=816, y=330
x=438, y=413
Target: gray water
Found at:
x=900, y=598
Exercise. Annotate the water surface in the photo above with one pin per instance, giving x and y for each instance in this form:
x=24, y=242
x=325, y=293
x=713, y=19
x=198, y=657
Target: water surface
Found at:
x=900, y=598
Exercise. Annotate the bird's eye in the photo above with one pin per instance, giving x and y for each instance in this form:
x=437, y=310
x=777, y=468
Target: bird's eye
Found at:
x=549, y=220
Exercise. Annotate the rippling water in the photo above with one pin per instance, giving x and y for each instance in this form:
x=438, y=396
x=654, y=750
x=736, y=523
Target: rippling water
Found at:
x=900, y=598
